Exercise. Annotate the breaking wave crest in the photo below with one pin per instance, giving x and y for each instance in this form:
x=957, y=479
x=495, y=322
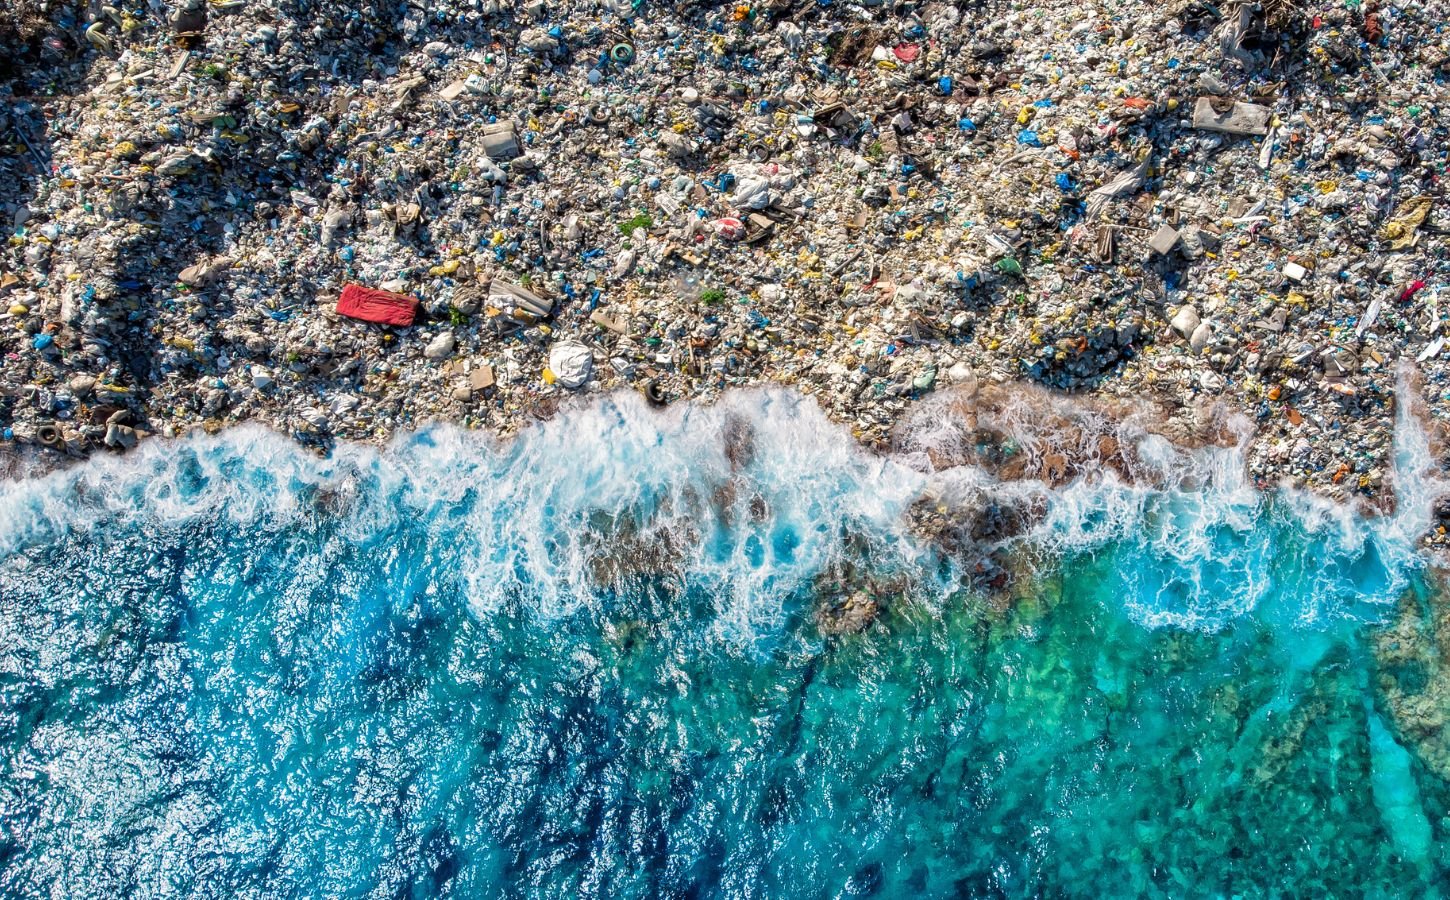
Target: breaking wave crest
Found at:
x=1200, y=544
x=749, y=497
x=752, y=498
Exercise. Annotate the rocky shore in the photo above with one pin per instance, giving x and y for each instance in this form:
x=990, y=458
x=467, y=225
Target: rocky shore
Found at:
x=1186, y=205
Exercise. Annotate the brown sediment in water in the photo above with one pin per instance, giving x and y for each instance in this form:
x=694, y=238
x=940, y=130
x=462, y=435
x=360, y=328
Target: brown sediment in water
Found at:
x=1412, y=654
x=1014, y=431
x=20, y=461
x=739, y=438
x=332, y=500
x=619, y=548
x=622, y=546
x=1023, y=439
x=1411, y=392
x=960, y=528
x=1022, y=432
x=1027, y=441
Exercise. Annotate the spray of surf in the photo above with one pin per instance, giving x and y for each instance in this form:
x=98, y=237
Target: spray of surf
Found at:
x=754, y=500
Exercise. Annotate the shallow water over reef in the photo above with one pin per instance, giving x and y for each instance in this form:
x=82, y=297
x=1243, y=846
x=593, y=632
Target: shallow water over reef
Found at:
x=592, y=662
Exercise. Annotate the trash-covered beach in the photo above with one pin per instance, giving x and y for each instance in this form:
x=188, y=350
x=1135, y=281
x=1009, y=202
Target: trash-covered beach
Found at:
x=1201, y=207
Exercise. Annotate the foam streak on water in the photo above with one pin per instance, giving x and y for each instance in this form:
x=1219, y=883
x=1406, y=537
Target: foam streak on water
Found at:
x=585, y=663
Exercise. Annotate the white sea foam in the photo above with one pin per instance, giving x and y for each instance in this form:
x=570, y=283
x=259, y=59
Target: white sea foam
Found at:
x=527, y=518
x=1198, y=543
x=534, y=513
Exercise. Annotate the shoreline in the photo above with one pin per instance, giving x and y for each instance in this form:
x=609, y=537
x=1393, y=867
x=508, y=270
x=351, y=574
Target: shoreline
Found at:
x=867, y=213
x=1053, y=441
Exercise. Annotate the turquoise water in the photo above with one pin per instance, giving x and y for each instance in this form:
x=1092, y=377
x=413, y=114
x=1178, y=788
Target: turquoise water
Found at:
x=586, y=664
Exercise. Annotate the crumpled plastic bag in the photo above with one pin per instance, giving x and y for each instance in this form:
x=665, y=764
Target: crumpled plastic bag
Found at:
x=752, y=192
x=1400, y=231
x=571, y=363
x=1124, y=184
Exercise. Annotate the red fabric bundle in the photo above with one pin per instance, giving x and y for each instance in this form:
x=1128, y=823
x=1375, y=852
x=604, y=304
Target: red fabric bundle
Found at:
x=377, y=306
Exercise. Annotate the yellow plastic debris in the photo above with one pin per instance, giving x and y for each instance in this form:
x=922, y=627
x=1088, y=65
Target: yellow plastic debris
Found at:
x=1400, y=231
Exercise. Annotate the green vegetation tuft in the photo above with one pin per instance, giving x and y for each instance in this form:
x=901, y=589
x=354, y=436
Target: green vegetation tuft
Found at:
x=643, y=220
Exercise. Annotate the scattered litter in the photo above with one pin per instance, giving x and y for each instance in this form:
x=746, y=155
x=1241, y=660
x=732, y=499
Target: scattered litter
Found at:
x=872, y=202
x=1163, y=240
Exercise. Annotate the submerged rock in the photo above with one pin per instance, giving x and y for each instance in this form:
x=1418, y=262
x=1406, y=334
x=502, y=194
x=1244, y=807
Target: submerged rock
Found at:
x=847, y=615
x=739, y=443
x=1414, y=678
x=619, y=547
x=849, y=597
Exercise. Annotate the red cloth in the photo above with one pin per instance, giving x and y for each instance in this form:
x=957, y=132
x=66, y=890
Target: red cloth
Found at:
x=377, y=306
x=1412, y=290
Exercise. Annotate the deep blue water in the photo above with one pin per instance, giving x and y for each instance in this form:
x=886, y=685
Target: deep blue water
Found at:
x=586, y=663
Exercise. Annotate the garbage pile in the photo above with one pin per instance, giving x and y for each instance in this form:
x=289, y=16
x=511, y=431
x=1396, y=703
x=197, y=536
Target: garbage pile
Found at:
x=1182, y=201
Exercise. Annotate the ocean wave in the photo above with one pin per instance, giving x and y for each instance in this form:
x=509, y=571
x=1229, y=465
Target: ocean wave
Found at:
x=754, y=497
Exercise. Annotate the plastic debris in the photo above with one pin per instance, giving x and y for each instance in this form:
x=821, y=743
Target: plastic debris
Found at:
x=1202, y=204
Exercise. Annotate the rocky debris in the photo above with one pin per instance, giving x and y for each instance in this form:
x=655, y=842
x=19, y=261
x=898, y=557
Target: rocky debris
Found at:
x=848, y=614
